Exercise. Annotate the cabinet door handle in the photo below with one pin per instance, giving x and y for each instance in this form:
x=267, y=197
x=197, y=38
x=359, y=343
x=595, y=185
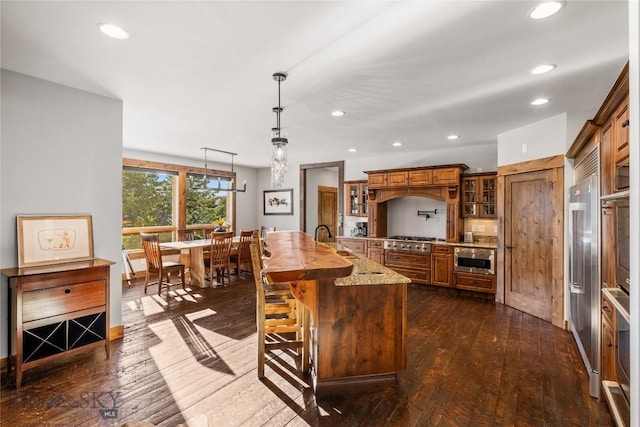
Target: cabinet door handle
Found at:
x=508, y=246
x=625, y=123
x=67, y=291
x=606, y=309
x=609, y=345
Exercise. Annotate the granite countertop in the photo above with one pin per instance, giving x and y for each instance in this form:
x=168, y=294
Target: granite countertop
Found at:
x=365, y=271
x=477, y=244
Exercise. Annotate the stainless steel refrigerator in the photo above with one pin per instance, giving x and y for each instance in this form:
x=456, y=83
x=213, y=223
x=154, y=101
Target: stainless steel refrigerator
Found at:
x=584, y=275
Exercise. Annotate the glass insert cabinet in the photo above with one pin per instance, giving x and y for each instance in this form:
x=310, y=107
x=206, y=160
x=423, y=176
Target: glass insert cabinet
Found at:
x=479, y=196
x=355, y=195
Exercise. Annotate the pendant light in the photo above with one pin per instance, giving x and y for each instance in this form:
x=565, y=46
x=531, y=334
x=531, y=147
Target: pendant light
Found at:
x=205, y=182
x=278, y=142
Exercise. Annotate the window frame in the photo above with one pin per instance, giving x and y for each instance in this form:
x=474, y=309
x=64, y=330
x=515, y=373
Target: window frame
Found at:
x=179, y=195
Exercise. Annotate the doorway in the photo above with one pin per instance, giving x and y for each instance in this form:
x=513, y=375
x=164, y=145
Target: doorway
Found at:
x=328, y=212
x=330, y=174
x=532, y=244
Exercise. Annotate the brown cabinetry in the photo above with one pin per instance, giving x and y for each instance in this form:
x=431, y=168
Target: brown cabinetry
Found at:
x=375, y=251
x=441, y=265
x=446, y=176
x=475, y=282
x=377, y=180
x=398, y=179
x=416, y=266
x=355, y=198
x=358, y=246
x=420, y=178
x=608, y=342
x=56, y=311
x=479, y=196
x=377, y=225
x=621, y=132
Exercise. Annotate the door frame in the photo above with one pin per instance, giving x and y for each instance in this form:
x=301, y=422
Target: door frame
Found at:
x=556, y=163
x=303, y=191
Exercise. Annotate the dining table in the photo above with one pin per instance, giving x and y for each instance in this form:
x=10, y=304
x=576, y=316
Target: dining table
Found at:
x=195, y=249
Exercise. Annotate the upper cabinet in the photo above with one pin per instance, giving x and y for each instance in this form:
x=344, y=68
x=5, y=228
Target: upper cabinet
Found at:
x=377, y=180
x=446, y=176
x=355, y=202
x=479, y=196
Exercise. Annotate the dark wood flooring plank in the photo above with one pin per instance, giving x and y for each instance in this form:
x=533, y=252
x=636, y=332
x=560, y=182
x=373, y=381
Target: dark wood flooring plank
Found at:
x=191, y=358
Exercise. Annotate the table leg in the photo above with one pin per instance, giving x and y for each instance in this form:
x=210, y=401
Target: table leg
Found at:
x=197, y=267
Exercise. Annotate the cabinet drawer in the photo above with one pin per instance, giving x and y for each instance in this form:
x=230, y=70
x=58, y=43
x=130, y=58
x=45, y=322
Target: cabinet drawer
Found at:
x=376, y=243
x=356, y=245
x=441, y=249
x=474, y=282
x=417, y=260
x=62, y=299
x=608, y=312
x=417, y=276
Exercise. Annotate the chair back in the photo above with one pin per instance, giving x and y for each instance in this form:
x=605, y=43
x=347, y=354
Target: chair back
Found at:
x=151, y=246
x=256, y=257
x=244, y=253
x=186, y=235
x=221, y=248
x=264, y=230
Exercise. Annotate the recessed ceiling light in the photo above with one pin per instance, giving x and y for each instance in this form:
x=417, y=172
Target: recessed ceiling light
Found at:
x=337, y=113
x=541, y=69
x=546, y=9
x=453, y=137
x=397, y=144
x=539, y=101
x=352, y=150
x=113, y=31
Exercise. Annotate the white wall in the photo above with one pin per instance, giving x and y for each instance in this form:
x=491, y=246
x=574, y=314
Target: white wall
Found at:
x=61, y=153
x=535, y=141
x=291, y=180
x=479, y=158
x=247, y=207
x=403, y=219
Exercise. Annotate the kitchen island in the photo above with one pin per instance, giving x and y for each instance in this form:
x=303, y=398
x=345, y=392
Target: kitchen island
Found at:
x=358, y=310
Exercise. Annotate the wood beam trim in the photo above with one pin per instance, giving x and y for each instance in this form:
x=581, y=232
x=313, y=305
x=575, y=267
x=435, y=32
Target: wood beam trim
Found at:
x=146, y=164
x=551, y=162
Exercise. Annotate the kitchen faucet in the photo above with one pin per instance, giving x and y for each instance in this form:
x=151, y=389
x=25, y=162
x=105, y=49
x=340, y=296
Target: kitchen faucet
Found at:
x=325, y=227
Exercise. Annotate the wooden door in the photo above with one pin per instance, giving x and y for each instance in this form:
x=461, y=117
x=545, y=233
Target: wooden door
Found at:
x=533, y=215
x=328, y=212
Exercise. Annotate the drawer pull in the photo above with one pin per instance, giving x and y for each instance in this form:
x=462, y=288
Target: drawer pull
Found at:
x=67, y=291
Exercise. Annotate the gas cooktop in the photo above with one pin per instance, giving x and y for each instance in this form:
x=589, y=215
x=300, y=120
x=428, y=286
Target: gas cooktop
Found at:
x=416, y=238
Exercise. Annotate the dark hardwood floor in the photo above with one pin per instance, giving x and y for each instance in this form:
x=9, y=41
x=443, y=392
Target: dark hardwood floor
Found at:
x=191, y=359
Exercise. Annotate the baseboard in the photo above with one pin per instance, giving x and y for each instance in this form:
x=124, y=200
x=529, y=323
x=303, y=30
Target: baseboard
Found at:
x=116, y=332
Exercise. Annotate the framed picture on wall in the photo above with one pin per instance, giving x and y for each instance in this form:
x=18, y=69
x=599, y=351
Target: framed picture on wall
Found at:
x=278, y=202
x=54, y=239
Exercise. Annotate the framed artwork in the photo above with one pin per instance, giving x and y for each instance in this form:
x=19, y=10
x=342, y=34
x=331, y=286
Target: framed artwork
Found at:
x=54, y=239
x=278, y=202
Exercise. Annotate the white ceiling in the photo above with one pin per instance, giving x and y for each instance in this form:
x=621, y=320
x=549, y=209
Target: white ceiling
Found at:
x=196, y=74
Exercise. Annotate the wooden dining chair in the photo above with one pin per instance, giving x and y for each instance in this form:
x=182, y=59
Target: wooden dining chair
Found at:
x=155, y=265
x=280, y=317
x=220, y=262
x=243, y=256
x=265, y=230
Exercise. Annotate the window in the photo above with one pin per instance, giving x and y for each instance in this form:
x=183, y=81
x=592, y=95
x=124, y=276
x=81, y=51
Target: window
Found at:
x=162, y=198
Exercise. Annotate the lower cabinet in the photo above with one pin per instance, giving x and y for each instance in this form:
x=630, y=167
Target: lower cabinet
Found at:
x=358, y=246
x=375, y=251
x=442, y=265
x=475, y=282
x=414, y=265
x=608, y=342
x=56, y=311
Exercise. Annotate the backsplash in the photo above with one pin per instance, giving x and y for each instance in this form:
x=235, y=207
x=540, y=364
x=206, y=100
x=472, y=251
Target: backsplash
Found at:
x=403, y=219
